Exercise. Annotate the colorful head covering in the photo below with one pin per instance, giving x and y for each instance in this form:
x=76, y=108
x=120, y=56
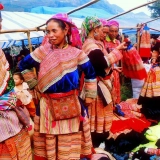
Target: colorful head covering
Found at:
x=113, y=23
x=74, y=36
x=1, y=7
x=88, y=24
x=104, y=22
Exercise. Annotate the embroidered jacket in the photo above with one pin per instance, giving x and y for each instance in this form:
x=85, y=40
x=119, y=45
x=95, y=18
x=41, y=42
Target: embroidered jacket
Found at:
x=59, y=69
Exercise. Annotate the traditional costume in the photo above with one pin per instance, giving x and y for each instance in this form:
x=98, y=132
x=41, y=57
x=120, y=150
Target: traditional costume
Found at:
x=62, y=128
x=101, y=111
x=14, y=139
x=110, y=46
x=132, y=63
x=145, y=44
x=150, y=94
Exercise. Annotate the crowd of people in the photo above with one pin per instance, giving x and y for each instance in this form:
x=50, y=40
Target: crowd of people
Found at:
x=68, y=91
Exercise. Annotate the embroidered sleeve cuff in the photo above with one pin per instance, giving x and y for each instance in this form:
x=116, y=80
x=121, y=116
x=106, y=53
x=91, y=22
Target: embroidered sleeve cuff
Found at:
x=30, y=78
x=113, y=57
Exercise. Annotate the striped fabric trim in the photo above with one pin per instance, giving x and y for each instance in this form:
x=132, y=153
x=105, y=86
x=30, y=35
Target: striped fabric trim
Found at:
x=50, y=78
x=10, y=125
x=89, y=45
x=151, y=86
x=4, y=66
x=62, y=61
x=114, y=56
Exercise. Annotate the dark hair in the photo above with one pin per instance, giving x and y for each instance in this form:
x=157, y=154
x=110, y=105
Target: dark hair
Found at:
x=19, y=74
x=60, y=22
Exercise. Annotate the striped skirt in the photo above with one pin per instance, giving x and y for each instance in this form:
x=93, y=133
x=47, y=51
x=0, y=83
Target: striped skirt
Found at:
x=101, y=110
x=64, y=146
x=17, y=147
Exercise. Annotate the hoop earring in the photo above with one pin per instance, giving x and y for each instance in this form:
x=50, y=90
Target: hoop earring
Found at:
x=95, y=34
x=66, y=38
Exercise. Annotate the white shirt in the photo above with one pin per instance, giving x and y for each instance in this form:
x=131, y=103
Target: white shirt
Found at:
x=23, y=94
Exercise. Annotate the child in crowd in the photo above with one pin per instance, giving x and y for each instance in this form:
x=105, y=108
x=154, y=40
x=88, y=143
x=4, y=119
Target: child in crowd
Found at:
x=21, y=89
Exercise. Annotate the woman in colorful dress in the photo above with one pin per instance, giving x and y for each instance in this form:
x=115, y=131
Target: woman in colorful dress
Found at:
x=101, y=110
x=110, y=45
x=62, y=128
x=14, y=138
x=150, y=94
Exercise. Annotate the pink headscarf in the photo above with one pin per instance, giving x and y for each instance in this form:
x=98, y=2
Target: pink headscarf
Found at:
x=104, y=22
x=74, y=36
x=113, y=23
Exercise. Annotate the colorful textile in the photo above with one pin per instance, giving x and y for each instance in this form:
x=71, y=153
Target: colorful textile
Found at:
x=104, y=22
x=145, y=45
x=133, y=65
x=116, y=87
x=111, y=45
x=70, y=146
x=30, y=77
x=31, y=108
x=61, y=67
x=10, y=124
x=8, y=101
x=100, y=113
x=130, y=108
x=113, y=23
x=88, y=24
x=153, y=151
x=4, y=66
x=91, y=44
x=17, y=147
x=74, y=36
x=130, y=123
x=1, y=7
x=151, y=86
x=150, y=94
x=59, y=72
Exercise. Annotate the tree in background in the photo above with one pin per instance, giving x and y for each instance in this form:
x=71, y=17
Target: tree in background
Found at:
x=155, y=9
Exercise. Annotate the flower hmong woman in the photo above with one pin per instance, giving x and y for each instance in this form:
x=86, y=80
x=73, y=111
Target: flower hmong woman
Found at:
x=101, y=110
x=150, y=93
x=61, y=126
x=14, y=138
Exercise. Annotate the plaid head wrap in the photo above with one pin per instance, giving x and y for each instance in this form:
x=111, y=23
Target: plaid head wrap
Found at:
x=88, y=24
x=73, y=33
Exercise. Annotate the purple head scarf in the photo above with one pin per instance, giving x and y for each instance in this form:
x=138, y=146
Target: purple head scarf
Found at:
x=113, y=23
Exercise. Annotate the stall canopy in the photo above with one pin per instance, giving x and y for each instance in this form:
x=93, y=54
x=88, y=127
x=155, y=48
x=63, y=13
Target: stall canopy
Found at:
x=21, y=21
x=26, y=20
x=127, y=20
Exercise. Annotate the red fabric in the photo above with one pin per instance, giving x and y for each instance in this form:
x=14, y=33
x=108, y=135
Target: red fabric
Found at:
x=39, y=158
x=145, y=52
x=145, y=45
x=135, y=124
x=1, y=6
x=116, y=87
x=81, y=82
x=133, y=65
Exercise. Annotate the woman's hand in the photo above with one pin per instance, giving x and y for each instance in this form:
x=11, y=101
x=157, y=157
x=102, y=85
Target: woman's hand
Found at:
x=121, y=46
x=88, y=101
x=119, y=69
